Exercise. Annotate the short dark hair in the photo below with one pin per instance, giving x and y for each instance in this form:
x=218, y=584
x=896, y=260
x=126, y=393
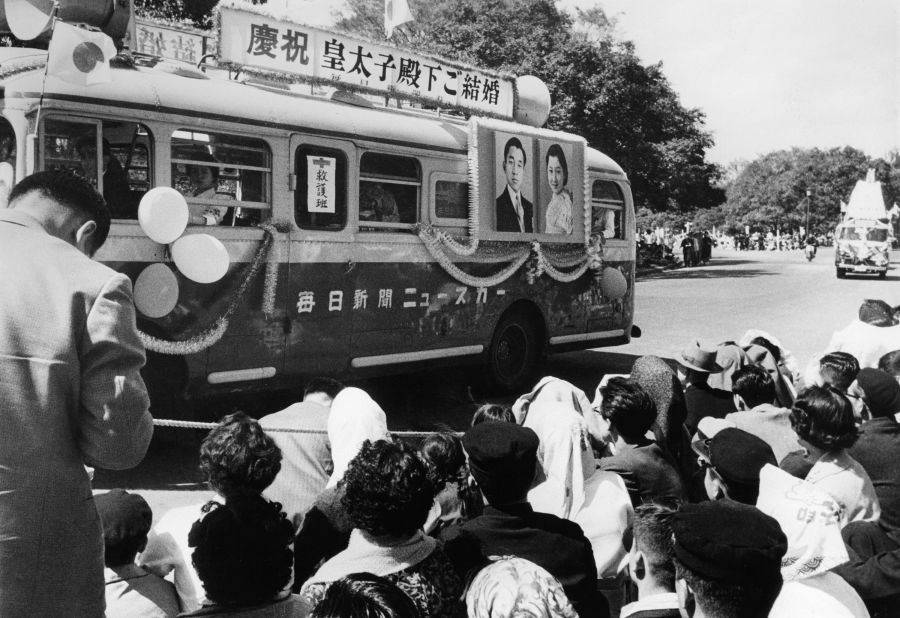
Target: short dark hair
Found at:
x=443, y=454
x=653, y=537
x=387, y=490
x=754, y=385
x=890, y=363
x=628, y=407
x=556, y=150
x=242, y=550
x=329, y=386
x=750, y=599
x=839, y=369
x=823, y=416
x=514, y=142
x=72, y=191
x=238, y=457
x=493, y=412
x=364, y=595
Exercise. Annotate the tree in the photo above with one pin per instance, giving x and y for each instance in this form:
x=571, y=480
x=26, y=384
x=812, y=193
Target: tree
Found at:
x=599, y=87
x=771, y=191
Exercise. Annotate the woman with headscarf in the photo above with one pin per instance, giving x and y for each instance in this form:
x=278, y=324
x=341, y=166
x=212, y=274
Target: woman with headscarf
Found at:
x=512, y=587
x=570, y=486
x=550, y=388
x=659, y=381
x=354, y=418
x=784, y=389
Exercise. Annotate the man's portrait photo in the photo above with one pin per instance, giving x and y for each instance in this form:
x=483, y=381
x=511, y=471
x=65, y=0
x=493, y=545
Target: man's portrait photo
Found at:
x=515, y=213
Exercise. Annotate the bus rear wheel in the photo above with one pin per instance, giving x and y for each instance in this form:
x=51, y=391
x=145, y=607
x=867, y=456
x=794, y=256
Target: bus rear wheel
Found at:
x=513, y=355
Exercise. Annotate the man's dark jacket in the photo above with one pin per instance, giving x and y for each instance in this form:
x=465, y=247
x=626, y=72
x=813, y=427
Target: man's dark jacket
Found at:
x=507, y=221
x=556, y=544
x=702, y=400
x=878, y=451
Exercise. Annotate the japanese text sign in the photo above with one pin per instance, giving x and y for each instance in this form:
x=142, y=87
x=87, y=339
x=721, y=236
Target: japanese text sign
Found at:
x=167, y=42
x=320, y=181
x=252, y=40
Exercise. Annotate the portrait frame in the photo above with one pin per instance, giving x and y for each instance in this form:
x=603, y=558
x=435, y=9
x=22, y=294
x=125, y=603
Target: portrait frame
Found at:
x=488, y=138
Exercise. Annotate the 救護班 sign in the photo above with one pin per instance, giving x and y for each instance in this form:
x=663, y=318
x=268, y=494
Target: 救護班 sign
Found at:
x=255, y=41
x=320, y=183
x=169, y=42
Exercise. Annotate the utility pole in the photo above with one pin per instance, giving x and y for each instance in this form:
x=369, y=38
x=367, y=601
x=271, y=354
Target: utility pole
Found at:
x=808, y=197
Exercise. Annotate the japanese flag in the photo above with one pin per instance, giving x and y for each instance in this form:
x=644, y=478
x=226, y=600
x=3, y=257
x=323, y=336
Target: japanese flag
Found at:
x=396, y=12
x=80, y=56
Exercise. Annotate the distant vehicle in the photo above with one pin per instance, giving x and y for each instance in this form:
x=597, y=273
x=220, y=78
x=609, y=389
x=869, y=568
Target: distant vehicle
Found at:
x=862, y=241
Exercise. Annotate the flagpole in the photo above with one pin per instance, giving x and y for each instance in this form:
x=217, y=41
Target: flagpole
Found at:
x=37, y=116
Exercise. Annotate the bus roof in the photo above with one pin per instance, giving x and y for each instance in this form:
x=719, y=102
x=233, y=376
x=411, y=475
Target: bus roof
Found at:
x=180, y=89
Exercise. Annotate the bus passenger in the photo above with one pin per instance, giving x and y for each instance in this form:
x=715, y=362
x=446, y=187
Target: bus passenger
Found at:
x=514, y=212
x=116, y=190
x=377, y=204
x=205, y=183
x=559, y=210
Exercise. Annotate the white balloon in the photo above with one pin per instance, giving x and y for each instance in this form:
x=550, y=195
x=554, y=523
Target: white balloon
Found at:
x=163, y=214
x=201, y=257
x=156, y=291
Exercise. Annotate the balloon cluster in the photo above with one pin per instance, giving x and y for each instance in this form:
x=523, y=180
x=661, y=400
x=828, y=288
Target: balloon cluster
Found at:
x=163, y=215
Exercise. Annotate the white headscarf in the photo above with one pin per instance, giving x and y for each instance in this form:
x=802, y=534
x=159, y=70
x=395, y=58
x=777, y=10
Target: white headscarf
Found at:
x=564, y=455
x=354, y=418
x=554, y=389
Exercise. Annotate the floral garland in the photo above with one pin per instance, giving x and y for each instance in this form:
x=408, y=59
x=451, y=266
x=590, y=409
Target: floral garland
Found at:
x=433, y=244
x=210, y=336
x=271, y=277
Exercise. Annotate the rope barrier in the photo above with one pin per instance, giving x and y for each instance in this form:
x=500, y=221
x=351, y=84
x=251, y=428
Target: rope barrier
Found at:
x=168, y=422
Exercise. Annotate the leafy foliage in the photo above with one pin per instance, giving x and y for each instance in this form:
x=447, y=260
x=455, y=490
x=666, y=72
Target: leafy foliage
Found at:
x=771, y=191
x=599, y=87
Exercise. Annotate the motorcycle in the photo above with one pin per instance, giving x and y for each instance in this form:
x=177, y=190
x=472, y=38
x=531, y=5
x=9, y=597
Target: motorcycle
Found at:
x=810, y=252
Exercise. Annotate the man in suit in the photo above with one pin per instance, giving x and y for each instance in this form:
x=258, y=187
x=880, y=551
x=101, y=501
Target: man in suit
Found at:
x=70, y=394
x=306, y=463
x=649, y=474
x=701, y=399
x=503, y=460
x=514, y=212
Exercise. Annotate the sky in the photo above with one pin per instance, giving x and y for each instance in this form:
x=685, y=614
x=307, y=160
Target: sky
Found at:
x=768, y=74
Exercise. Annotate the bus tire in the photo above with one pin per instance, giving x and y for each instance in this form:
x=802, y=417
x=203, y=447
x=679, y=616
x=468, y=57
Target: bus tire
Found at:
x=840, y=273
x=882, y=274
x=514, y=353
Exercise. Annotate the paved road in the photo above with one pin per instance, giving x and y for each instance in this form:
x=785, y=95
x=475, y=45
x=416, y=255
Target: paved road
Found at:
x=799, y=302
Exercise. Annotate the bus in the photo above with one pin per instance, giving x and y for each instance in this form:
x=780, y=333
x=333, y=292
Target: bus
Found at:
x=359, y=239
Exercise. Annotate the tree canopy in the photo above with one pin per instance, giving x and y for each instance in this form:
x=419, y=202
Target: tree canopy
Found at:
x=600, y=89
x=771, y=191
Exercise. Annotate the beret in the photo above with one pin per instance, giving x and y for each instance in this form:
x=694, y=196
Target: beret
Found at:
x=729, y=542
x=880, y=391
x=739, y=456
x=498, y=450
x=124, y=515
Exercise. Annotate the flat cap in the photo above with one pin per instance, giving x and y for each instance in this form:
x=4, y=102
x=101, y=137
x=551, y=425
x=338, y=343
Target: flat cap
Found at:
x=739, y=456
x=880, y=391
x=502, y=458
x=729, y=542
x=124, y=515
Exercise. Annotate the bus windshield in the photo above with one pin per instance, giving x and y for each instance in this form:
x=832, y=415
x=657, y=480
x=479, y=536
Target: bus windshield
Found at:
x=864, y=233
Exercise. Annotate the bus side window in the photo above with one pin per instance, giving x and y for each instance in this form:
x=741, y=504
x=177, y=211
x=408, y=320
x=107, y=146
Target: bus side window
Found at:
x=388, y=189
x=120, y=169
x=607, y=210
x=320, y=201
x=451, y=199
x=7, y=160
x=225, y=178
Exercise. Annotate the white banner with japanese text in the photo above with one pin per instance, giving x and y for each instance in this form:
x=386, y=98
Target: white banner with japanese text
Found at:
x=253, y=40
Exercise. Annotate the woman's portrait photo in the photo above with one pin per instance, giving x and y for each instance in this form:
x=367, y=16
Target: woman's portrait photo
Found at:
x=558, y=213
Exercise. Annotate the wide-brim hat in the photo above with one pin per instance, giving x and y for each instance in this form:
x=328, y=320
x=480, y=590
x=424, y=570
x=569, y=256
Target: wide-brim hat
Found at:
x=696, y=358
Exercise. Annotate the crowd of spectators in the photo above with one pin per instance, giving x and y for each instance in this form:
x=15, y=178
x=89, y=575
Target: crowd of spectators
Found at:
x=733, y=484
